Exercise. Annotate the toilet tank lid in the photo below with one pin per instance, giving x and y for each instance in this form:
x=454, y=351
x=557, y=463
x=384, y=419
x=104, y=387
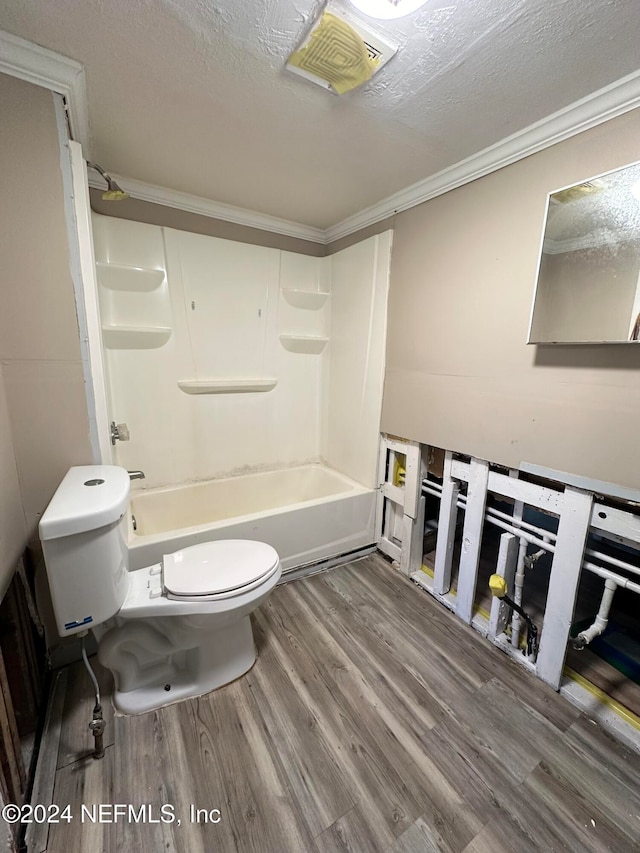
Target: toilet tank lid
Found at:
x=89, y=497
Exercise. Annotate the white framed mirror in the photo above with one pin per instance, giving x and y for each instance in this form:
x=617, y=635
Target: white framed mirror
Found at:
x=588, y=283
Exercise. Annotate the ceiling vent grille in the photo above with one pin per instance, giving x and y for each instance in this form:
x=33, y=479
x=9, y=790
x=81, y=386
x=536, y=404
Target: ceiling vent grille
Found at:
x=340, y=54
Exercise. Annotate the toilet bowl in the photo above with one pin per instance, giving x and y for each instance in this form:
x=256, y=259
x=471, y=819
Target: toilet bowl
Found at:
x=167, y=632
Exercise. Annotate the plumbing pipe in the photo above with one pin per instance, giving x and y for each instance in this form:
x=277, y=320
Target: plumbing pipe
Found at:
x=518, y=587
x=498, y=587
x=624, y=583
x=490, y=511
x=614, y=561
x=533, y=558
x=97, y=724
x=524, y=562
x=601, y=571
x=600, y=623
x=522, y=529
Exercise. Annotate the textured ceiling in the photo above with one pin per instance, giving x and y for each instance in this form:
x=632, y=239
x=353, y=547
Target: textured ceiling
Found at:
x=193, y=95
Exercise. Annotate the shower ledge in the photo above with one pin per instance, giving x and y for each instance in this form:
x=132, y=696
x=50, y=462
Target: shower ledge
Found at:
x=225, y=386
x=312, y=344
x=135, y=337
x=127, y=277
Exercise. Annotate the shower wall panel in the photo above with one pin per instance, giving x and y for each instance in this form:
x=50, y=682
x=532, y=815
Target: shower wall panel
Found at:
x=354, y=375
x=181, y=311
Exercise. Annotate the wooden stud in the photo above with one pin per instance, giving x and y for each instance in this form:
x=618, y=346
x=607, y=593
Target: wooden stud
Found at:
x=12, y=764
x=518, y=515
x=506, y=568
x=563, y=584
x=619, y=525
x=542, y=497
x=414, y=473
x=412, y=541
x=447, y=520
x=472, y=538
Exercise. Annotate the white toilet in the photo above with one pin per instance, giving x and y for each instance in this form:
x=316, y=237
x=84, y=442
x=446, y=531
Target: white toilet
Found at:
x=167, y=632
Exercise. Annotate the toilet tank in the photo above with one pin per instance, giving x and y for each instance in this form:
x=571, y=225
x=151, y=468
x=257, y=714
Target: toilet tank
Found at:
x=83, y=535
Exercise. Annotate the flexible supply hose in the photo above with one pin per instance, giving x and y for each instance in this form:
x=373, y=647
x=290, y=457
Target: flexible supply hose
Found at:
x=97, y=724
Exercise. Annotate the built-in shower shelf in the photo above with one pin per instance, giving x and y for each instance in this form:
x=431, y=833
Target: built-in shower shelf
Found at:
x=312, y=344
x=225, y=386
x=135, y=337
x=309, y=299
x=124, y=277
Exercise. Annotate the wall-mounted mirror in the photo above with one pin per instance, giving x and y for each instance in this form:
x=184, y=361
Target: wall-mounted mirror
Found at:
x=588, y=287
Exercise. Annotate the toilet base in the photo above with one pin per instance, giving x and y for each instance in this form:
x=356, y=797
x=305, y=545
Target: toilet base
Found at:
x=156, y=662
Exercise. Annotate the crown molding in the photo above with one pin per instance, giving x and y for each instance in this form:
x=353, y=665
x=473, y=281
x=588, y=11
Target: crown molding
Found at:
x=214, y=209
x=607, y=103
x=35, y=64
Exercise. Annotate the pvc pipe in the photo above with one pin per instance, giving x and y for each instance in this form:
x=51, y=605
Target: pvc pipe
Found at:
x=525, y=535
x=548, y=545
x=518, y=581
x=600, y=623
x=628, y=567
x=625, y=583
x=436, y=492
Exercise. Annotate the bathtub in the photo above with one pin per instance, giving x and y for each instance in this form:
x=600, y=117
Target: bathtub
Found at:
x=308, y=514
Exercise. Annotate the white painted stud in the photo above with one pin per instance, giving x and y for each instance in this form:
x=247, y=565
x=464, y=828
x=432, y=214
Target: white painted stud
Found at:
x=472, y=538
x=506, y=568
x=413, y=535
x=563, y=584
x=447, y=520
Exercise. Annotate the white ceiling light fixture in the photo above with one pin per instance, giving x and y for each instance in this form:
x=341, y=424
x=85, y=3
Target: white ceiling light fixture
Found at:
x=387, y=9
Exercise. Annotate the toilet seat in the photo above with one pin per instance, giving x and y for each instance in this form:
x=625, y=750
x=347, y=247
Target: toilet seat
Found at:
x=217, y=570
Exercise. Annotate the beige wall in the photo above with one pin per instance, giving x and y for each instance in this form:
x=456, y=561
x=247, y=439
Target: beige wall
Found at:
x=43, y=418
x=13, y=529
x=459, y=374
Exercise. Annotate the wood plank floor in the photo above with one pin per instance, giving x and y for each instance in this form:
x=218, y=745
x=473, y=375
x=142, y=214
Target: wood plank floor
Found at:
x=373, y=720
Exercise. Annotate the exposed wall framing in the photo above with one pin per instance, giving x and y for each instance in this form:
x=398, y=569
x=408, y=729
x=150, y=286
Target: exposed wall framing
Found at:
x=466, y=484
x=22, y=675
x=400, y=512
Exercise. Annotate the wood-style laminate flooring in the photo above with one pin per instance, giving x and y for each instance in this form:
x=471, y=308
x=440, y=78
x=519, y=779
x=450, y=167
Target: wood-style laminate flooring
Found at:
x=373, y=720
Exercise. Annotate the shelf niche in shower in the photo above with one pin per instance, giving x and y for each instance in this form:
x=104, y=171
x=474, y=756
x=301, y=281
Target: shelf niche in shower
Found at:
x=126, y=277
x=310, y=300
x=225, y=386
x=135, y=337
x=311, y=344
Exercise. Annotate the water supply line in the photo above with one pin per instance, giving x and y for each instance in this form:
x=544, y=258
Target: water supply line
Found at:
x=599, y=625
x=97, y=724
x=498, y=587
x=525, y=561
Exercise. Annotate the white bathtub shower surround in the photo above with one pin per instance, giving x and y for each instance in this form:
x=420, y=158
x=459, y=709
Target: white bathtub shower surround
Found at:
x=309, y=331
x=308, y=514
x=224, y=357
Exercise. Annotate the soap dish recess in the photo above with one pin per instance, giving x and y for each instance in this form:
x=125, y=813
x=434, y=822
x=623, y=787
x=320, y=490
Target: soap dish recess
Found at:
x=308, y=299
x=311, y=344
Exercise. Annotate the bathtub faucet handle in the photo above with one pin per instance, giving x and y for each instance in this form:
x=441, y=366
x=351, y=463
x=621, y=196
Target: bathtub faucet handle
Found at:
x=136, y=475
x=119, y=432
